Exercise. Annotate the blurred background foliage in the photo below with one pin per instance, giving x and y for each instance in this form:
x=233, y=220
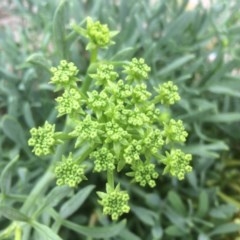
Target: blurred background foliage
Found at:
x=195, y=45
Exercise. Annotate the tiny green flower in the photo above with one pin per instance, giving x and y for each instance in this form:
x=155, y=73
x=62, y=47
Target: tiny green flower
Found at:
x=64, y=76
x=114, y=111
x=177, y=163
x=97, y=101
x=174, y=131
x=168, y=93
x=42, y=139
x=137, y=118
x=105, y=74
x=132, y=152
x=153, y=140
x=137, y=70
x=98, y=34
x=140, y=93
x=68, y=172
x=121, y=92
x=69, y=102
x=114, y=202
x=114, y=132
x=104, y=159
x=87, y=129
x=144, y=173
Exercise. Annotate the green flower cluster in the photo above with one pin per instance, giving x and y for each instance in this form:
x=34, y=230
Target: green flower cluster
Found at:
x=140, y=93
x=105, y=74
x=104, y=159
x=168, y=93
x=174, y=131
x=97, y=101
x=114, y=202
x=64, y=76
x=131, y=153
x=69, y=102
x=69, y=172
x=99, y=34
x=144, y=173
x=86, y=129
x=177, y=163
x=114, y=133
x=43, y=139
x=117, y=123
x=137, y=70
x=153, y=141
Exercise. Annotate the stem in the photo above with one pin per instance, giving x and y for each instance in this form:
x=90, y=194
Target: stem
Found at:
x=86, y=84
x=93, y=57
x=155, y=100
x=88, y=80
x=85, y=151
x=110, y=178
x=18, y=233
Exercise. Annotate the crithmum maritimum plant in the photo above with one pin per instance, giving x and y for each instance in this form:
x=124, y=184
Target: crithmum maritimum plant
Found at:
x=115, y=122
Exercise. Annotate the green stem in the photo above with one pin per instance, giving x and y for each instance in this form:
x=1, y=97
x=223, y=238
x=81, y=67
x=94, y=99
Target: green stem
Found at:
x=155, y=100
x=94, y=54
x=86, y=84
x=88, y=80
x=85, y=151
x=110, y=178
x=18, y=233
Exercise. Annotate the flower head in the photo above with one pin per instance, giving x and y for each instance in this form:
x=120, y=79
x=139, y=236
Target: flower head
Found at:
x=137, y=69
x=64, y=76
x=114, y=202
x=120, y=91
x=137, y=117
x=132, y=152
x=177, y=163
x=153, y=141
x=168, y=93
x=42, y=139
x=114, y=132
x=105, y=74
x=98, y=34
x=97, y=101
x=69, y=102
x=174, y=131
x=144, y=173
x=68, y=172
x=140, y=93
x=87, y=129
x=104, y=159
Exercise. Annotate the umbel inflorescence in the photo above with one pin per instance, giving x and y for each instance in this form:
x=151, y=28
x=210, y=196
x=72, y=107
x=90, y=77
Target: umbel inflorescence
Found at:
x=116, y=121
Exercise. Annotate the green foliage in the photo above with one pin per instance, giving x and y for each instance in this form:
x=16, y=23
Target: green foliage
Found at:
x=197, y=49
